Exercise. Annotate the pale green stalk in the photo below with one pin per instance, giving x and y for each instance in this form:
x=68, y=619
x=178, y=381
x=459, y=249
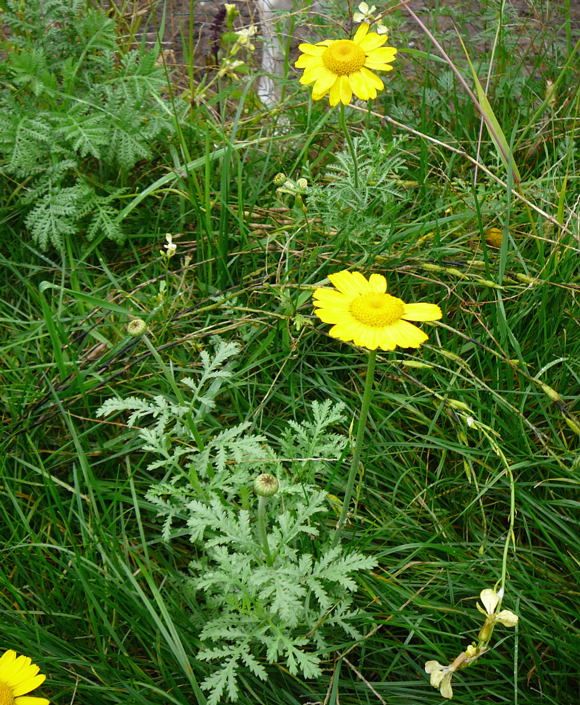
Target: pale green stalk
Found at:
x=350, y=143
x=366, y=400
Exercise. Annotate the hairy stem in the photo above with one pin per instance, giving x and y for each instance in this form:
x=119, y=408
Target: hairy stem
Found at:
x=261, y=528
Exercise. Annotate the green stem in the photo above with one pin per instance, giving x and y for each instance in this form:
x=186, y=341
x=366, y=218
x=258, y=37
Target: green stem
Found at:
x=350, y=143
x=362, y=422
x=261, y=527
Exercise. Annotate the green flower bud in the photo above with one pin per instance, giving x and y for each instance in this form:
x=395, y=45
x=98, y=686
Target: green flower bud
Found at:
x=266, y=485
x=279, y=179
x=136, y=328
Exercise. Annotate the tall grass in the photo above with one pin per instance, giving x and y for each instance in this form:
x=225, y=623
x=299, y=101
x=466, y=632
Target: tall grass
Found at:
x=89, y=590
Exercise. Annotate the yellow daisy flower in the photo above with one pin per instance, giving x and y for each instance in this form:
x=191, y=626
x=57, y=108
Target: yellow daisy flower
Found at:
x=341, y=67
x=18, y=676
x=361, y=311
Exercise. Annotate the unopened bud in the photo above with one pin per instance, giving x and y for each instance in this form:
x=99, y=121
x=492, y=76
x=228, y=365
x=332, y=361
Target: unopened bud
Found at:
x=572, y=424
x=548, y=391
x=525, y=278
x=302, y=183
x=456, y=404
x=266, y=485
x=494, y=237
x=136, y=328
x=279, y=179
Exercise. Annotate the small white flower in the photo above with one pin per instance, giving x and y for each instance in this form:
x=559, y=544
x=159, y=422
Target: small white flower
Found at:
x=364, y=13
x=170, y=247
x=244, y=36
x=440, y=677
x=228, y=68
x=367, y=14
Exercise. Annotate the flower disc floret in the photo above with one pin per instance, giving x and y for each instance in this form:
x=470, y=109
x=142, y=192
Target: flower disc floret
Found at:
x=361, y=311
x=340, y=68
x=377, y=310
x=343, y=57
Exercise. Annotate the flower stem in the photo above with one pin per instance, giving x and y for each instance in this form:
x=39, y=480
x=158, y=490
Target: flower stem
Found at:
x=261, y=528
x=350, y=143
x=362, y=422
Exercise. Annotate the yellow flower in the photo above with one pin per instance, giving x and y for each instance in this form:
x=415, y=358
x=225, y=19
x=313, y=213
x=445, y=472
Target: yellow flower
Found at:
x=18, y=676
x=363, y=312
x=341, y=67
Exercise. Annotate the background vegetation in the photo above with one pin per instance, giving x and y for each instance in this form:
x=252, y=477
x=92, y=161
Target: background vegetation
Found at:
x=107, y=145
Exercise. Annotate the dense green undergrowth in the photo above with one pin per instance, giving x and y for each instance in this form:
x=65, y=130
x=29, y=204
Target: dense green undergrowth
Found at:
x=106, y=148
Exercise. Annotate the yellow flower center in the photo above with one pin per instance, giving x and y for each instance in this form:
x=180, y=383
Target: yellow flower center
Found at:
x=6, y=694
x=344, y=57
x=377, y=310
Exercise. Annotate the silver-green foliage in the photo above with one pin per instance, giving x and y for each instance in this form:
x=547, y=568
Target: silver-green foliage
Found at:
x=361, y=199
x=257, y=609
x=76, y=113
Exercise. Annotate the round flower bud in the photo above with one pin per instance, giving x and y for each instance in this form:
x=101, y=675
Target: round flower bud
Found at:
x=279, y=179
x=494, y=237
x=302, y=183
x=136, y=328
x=266, y=485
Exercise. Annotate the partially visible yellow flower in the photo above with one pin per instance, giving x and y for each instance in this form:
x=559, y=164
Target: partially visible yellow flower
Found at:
x=342, y=67
x=19, y=676
x=361, y=311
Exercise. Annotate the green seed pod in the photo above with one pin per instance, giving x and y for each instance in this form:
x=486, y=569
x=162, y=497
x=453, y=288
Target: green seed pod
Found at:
x=266, y=485
x=136, y=328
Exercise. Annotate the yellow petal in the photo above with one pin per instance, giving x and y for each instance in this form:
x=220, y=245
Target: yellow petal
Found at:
x=332, y=315
x=384, y=55
x=378, y=283
x=359, y=85
x=341, y=331
x=407, y=335
x=27, y=700
x=361, y=32
x=324, y=83
x=422, y=312
x=312, y=49
x=304, y=61
x=29, y=684
x=372, y=41
x=313, y=74
x=348, y=283
x=373, y=80
x=387, y=339
x=330, y=297
x=345, y=90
